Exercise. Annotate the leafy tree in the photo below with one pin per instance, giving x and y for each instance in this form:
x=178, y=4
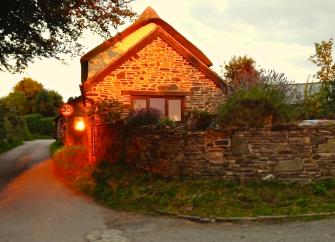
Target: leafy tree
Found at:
x=47, y=103
x=324, y=60
x=28, y=87
x=18, y=101
x=56, y=99
x=241, y=70
x=48, y=28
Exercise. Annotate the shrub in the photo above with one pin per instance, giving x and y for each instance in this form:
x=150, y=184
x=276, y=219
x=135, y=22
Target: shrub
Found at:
x=200, y=119
x=165, y=121
x=144, y=116
x=72, y=165
x=266, y=102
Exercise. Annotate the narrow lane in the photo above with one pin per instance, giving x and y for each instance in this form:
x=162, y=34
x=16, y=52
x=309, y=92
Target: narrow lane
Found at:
x=35, y=206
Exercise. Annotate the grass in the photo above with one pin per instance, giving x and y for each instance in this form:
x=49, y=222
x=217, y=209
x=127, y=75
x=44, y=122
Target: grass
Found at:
x=55, y=146
x=7, y=147
x=119, y=187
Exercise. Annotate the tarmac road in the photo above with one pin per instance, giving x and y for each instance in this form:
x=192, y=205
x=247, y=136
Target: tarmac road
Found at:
x=36, y=207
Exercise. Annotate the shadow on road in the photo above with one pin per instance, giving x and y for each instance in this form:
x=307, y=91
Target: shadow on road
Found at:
x=18, y=160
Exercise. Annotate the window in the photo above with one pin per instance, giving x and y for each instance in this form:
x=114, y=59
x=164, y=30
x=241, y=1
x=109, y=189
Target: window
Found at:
x=139, y=103
x=171, y=107
x=158, y=103
x=174, y=109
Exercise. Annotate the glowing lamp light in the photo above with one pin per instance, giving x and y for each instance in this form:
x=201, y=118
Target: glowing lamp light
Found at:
x=79, y=124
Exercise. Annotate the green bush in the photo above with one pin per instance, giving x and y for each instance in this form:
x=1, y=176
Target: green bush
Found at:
x=266, y=102
x=142, y=117
x=165, y=121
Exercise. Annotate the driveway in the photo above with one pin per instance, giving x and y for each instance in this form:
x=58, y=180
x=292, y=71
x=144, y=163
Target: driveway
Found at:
x=36, y=207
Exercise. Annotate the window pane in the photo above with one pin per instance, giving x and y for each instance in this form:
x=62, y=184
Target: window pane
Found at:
x=139, y=103
x=158, y=103
x=175, y=110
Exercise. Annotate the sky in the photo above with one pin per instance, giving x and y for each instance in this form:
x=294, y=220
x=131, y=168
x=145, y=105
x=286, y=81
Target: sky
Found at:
x=279, y=35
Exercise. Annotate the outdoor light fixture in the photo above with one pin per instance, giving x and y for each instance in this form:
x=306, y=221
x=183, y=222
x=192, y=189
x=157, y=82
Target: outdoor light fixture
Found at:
x=79, y=124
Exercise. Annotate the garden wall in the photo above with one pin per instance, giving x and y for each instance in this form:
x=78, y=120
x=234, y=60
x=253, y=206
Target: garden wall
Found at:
x=295, y=154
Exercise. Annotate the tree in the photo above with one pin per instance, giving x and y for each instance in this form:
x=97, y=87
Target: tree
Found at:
x=49, y=28
x=28, y=87
x=47, y=103
x=241, y=70
x=18, y=101
x=324, y=60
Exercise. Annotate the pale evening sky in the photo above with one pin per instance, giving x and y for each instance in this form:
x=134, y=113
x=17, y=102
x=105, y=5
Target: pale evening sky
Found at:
x=277, y=34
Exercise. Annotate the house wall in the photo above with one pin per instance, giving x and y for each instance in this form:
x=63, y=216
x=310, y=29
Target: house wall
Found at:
x=295, y=154
x=158, y=67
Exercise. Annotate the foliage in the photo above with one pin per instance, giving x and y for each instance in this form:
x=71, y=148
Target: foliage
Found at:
x=47, y=103
x=142, y=117
x=120, y=187
x=265, y=102
x=324, y=60
x=18, y=101
x=30, y=29
x=320, y=104
x=165, y=121
x=29, y=96
x=33, y=122
x=13, y=129
x=241, y=70
x=38, y=125
x=55, y=146
x=29, y=87
x=71, y=164
x=46, y=126
x=110, y=110
x=199, y=119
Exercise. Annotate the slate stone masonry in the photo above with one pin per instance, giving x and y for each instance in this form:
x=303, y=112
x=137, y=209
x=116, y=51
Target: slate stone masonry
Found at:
x=298, y=154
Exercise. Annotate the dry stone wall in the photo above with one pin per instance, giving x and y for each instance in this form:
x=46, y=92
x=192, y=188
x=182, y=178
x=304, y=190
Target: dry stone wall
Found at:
x=295, y=154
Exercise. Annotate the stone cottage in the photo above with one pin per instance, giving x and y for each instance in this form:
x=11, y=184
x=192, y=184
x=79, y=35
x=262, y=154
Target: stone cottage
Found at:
x=148, y=65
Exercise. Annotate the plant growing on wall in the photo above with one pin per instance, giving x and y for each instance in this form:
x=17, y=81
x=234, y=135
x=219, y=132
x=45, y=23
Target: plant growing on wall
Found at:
x=200, y=120
x=109, y=110
x=144, y=116
x=265, y=102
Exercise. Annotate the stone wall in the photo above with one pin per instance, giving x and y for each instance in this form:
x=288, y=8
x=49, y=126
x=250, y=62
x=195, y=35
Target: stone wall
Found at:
x=298, y=154
x=158, y=67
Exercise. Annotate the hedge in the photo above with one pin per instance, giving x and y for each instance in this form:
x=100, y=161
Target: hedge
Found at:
x=38, y=125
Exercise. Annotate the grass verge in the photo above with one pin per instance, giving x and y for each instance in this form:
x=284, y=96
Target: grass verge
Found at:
x=7, y=147
x=55, y=146
x=120, y=187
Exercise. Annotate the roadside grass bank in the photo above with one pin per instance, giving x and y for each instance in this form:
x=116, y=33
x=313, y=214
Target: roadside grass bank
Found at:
x=55, y=146
x=72, y=167
x=120, y=187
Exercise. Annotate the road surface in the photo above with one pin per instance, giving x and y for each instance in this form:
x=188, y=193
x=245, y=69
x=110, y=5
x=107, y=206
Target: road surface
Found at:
x=36, y=207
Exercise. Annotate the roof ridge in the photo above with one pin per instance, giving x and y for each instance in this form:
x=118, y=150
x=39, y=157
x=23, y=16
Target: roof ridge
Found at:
x=148, y=14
